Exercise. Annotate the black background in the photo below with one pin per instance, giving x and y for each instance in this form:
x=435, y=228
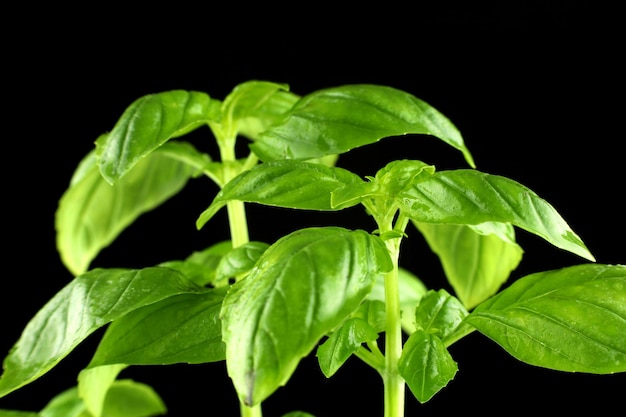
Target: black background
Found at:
x=535, y=88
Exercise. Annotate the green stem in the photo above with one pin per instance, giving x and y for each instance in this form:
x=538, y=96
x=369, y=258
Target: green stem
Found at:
x=237, y=222
x=251, y=411
x=394, y=384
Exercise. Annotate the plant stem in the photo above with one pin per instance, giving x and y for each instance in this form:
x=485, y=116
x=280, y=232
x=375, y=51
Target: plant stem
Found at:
x=251, y=411
x=394, y=384
x=392, y=381
x=237, y=222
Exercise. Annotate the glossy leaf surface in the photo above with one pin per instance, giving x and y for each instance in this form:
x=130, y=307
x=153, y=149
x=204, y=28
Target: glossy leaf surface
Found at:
x=571, y=319
x=239, y=260
x=87, y=303
x=302, y=287
x=184, y=328
x=472, y=197
x=475, y=264
x=92, y=213
x=373, y=312
x=335, y=120
x=426, y=365
x=440, y=313
x=291, y=184
x=343, y=343
x=147, y=124
x=252, y=106
x=201, y=266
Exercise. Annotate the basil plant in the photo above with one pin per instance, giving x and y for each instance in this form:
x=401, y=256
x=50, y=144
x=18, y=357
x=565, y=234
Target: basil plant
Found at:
x=329, y=291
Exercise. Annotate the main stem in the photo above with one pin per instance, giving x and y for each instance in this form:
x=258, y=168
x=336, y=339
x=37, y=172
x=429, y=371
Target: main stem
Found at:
x=392, y=381
x=239, y=235
x=394, y=384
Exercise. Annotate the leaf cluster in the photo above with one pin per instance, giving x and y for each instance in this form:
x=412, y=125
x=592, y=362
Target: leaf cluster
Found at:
x=263, y=306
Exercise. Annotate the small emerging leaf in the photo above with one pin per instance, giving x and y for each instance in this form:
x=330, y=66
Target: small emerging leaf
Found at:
x=439, y=313
x=571, y=319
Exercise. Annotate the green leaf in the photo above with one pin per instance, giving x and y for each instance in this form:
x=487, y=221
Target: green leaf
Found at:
x=439, y=313
x=302, y=287
x=570, y=319
x=471, y=197
x=16, y=413
x=183, y=328
x=66, y=404
x=426, y=365
x=298, y=414
x=290, y=184
x=93, y=385
x=200, y=266
x=335, y=120
x=147, y=124
x=342, y=343
x=475, y=264
x=92, y=213
x=384, y=187
x=373, y=312
x=127, y=398
x=252, y=106
x=240, y=260
x=87, y=303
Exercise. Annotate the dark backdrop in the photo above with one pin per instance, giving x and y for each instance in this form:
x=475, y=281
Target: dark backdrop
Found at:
x=535, y=88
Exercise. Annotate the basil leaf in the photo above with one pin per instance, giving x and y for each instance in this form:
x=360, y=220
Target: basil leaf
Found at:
x=335, y=120
x=148, y=123
x=92, y=213
x=183, y=328
x=426, y=365
x=291, y=184
x=87, y=303
x=471, y=197
x=571, y=319
x=302, y=287
x=476, y=265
